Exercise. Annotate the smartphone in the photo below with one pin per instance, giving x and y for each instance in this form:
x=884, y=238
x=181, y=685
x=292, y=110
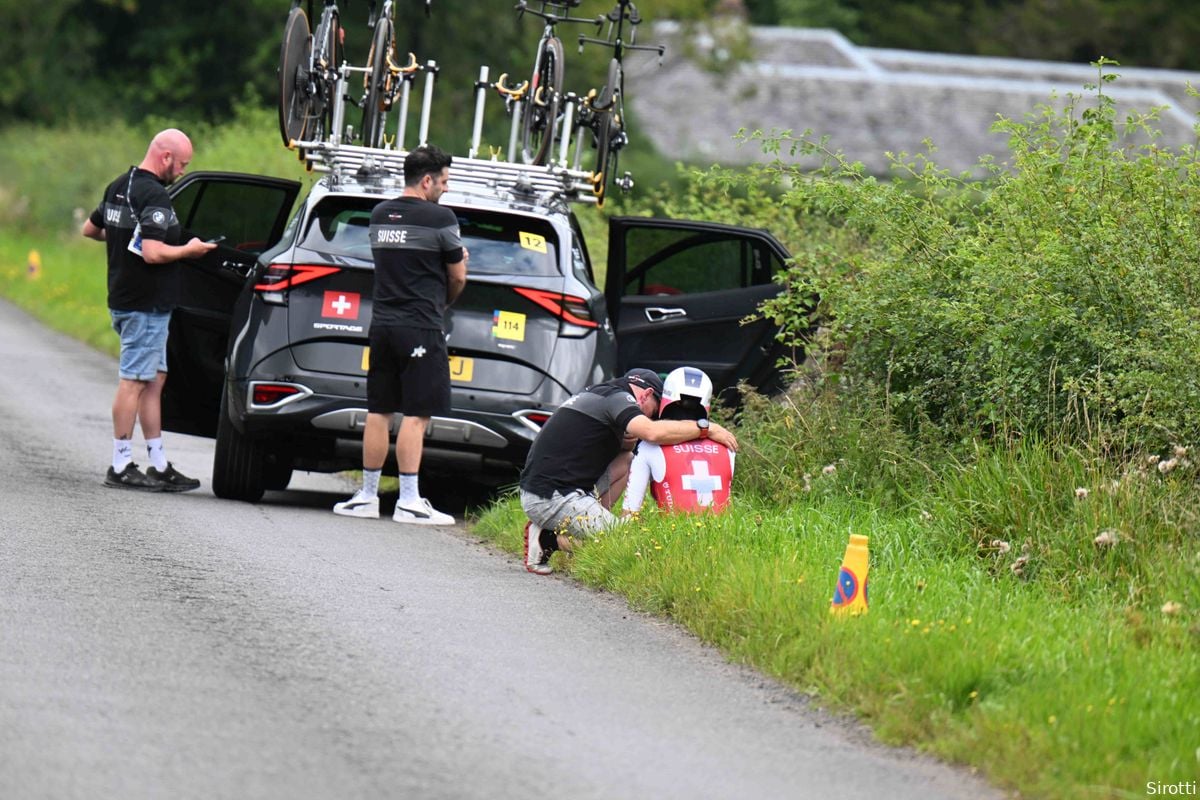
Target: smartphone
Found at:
x=215, y=240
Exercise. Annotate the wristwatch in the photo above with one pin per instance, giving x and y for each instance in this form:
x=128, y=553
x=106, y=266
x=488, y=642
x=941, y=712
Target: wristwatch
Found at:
x=702, y=424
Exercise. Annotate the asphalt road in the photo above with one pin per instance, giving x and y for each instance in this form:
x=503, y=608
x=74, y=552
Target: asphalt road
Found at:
x=181, y=646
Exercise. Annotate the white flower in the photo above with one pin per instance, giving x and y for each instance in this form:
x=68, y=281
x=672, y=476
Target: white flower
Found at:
x=1180, y=451
x=1107, y=538
x=829, y=469
x=1171, y=608
x=1001, y=546
x=1152, y=460
x=1166, y=466
x=925, y=515
x=1081, y=493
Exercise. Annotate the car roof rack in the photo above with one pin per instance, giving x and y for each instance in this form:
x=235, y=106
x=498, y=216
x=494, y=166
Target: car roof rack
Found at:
x=544, y=183
x=523, y=181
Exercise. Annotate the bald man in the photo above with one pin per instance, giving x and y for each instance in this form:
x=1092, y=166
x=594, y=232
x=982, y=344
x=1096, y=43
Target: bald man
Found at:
x=137, y=223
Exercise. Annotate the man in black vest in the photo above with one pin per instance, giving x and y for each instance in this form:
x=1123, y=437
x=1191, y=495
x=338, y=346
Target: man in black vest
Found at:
x=137, y=223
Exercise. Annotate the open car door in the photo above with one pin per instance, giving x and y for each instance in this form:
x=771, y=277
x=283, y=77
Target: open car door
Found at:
x=678, y=291
x=250, y=211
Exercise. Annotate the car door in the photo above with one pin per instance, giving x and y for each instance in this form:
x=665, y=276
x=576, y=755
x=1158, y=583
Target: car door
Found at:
x=250, y=211
x=679, y=290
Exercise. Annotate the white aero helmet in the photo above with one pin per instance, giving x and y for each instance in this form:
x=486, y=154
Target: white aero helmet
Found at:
x=687, y=382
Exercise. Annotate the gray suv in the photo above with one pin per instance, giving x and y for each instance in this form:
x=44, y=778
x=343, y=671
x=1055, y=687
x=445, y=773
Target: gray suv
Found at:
x=268, y=348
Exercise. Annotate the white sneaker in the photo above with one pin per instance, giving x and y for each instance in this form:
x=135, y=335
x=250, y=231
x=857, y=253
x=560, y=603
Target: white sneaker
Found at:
x=537, y=560
x=358, y=506
x=420, y=513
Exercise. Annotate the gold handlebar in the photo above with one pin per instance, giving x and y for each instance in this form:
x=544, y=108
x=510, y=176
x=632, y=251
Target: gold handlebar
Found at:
x=515, y=93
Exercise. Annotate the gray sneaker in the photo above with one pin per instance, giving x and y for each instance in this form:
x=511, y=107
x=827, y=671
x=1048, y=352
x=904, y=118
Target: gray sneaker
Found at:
x=132, y=478
x=172, y=479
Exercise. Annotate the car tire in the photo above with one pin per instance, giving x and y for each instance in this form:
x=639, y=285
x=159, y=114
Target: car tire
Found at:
x=277, y=472
x=237, y=461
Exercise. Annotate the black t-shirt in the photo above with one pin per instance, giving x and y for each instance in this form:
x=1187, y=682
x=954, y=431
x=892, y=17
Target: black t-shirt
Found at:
x=412, y=241
x=138, y=197
x=580, y=439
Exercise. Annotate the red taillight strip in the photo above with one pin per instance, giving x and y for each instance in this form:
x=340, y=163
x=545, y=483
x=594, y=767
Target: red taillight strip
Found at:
x=294, y=275
x=555, y=303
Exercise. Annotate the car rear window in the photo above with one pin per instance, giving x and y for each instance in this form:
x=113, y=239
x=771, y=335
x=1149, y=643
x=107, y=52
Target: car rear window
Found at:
x=499, y=243
x=507, y=244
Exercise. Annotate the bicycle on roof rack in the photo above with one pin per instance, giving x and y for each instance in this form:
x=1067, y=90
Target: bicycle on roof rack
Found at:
x=540, y=113
x=308, y=74
x=604, y=111
x=386, y=80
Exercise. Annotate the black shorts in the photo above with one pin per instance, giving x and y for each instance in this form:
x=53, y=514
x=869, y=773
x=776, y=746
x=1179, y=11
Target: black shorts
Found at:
x=409, y=372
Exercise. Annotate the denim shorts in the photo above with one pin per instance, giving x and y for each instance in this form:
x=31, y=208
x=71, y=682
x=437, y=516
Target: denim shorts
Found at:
x=576, y=513
x=143, y=342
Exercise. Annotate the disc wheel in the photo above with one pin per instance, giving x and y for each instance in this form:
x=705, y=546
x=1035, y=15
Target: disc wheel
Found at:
x=326, y=59
x=295, y=96
x=540, y=113
x=377, y=100
x=608, y=130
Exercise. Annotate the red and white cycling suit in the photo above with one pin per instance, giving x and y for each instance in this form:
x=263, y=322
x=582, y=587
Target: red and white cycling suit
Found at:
x=692, y=476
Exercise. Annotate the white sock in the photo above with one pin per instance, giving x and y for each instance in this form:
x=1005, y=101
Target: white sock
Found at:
x=370, y=487
x=122, y=454
x=158, y=457
x=409, y=493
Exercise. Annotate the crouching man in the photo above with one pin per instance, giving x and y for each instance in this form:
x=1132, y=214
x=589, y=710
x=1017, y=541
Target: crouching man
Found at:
x=579, y=462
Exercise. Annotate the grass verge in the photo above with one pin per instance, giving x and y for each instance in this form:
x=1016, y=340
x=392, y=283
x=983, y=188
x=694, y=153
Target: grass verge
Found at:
x=62, y=281
x=1060, y=675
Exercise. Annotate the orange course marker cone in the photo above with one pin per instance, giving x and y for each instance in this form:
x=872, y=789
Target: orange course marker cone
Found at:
x=850, y=595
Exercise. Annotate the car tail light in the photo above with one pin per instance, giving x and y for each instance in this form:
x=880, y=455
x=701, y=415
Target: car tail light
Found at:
x=534, y=420
x=265, y=395
x=278, y=278
x=570, y=309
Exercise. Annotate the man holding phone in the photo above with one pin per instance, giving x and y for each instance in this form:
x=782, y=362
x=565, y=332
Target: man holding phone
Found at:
x=138, y=224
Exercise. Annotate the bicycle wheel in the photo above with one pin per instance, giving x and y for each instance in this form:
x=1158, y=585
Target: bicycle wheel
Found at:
x=326, y=60
x=608, y=131
x=377, y=99
x=610, y=92
x=540, y=112
x=295, y=96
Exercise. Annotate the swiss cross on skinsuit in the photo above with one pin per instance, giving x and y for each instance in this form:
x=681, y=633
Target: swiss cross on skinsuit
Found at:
x=702, y=483
x=342, y=305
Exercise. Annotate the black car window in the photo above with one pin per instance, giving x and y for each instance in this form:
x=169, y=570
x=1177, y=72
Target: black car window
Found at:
x=340, y=225
x=674, y=261
x=499, y=244
x=244, y=213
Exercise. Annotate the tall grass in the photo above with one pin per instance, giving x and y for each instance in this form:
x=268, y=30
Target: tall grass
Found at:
x=54, y=177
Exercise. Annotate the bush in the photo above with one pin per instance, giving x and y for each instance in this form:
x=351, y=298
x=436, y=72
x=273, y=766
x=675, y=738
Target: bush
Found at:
x=1054, y=297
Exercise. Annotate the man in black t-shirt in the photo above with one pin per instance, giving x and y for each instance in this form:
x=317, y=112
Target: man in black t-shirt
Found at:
x=136, y=222
x=579, y=462
x=420, y=269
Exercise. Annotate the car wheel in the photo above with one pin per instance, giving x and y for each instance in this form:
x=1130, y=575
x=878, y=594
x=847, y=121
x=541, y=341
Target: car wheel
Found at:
x=277, y=473
x=237, y=462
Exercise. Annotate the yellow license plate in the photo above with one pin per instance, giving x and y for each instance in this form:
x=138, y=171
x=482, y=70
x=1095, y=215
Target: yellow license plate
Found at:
x=462, y=369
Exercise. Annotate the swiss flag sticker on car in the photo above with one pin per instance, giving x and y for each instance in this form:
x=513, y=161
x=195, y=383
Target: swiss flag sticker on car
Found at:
x=340, y=305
